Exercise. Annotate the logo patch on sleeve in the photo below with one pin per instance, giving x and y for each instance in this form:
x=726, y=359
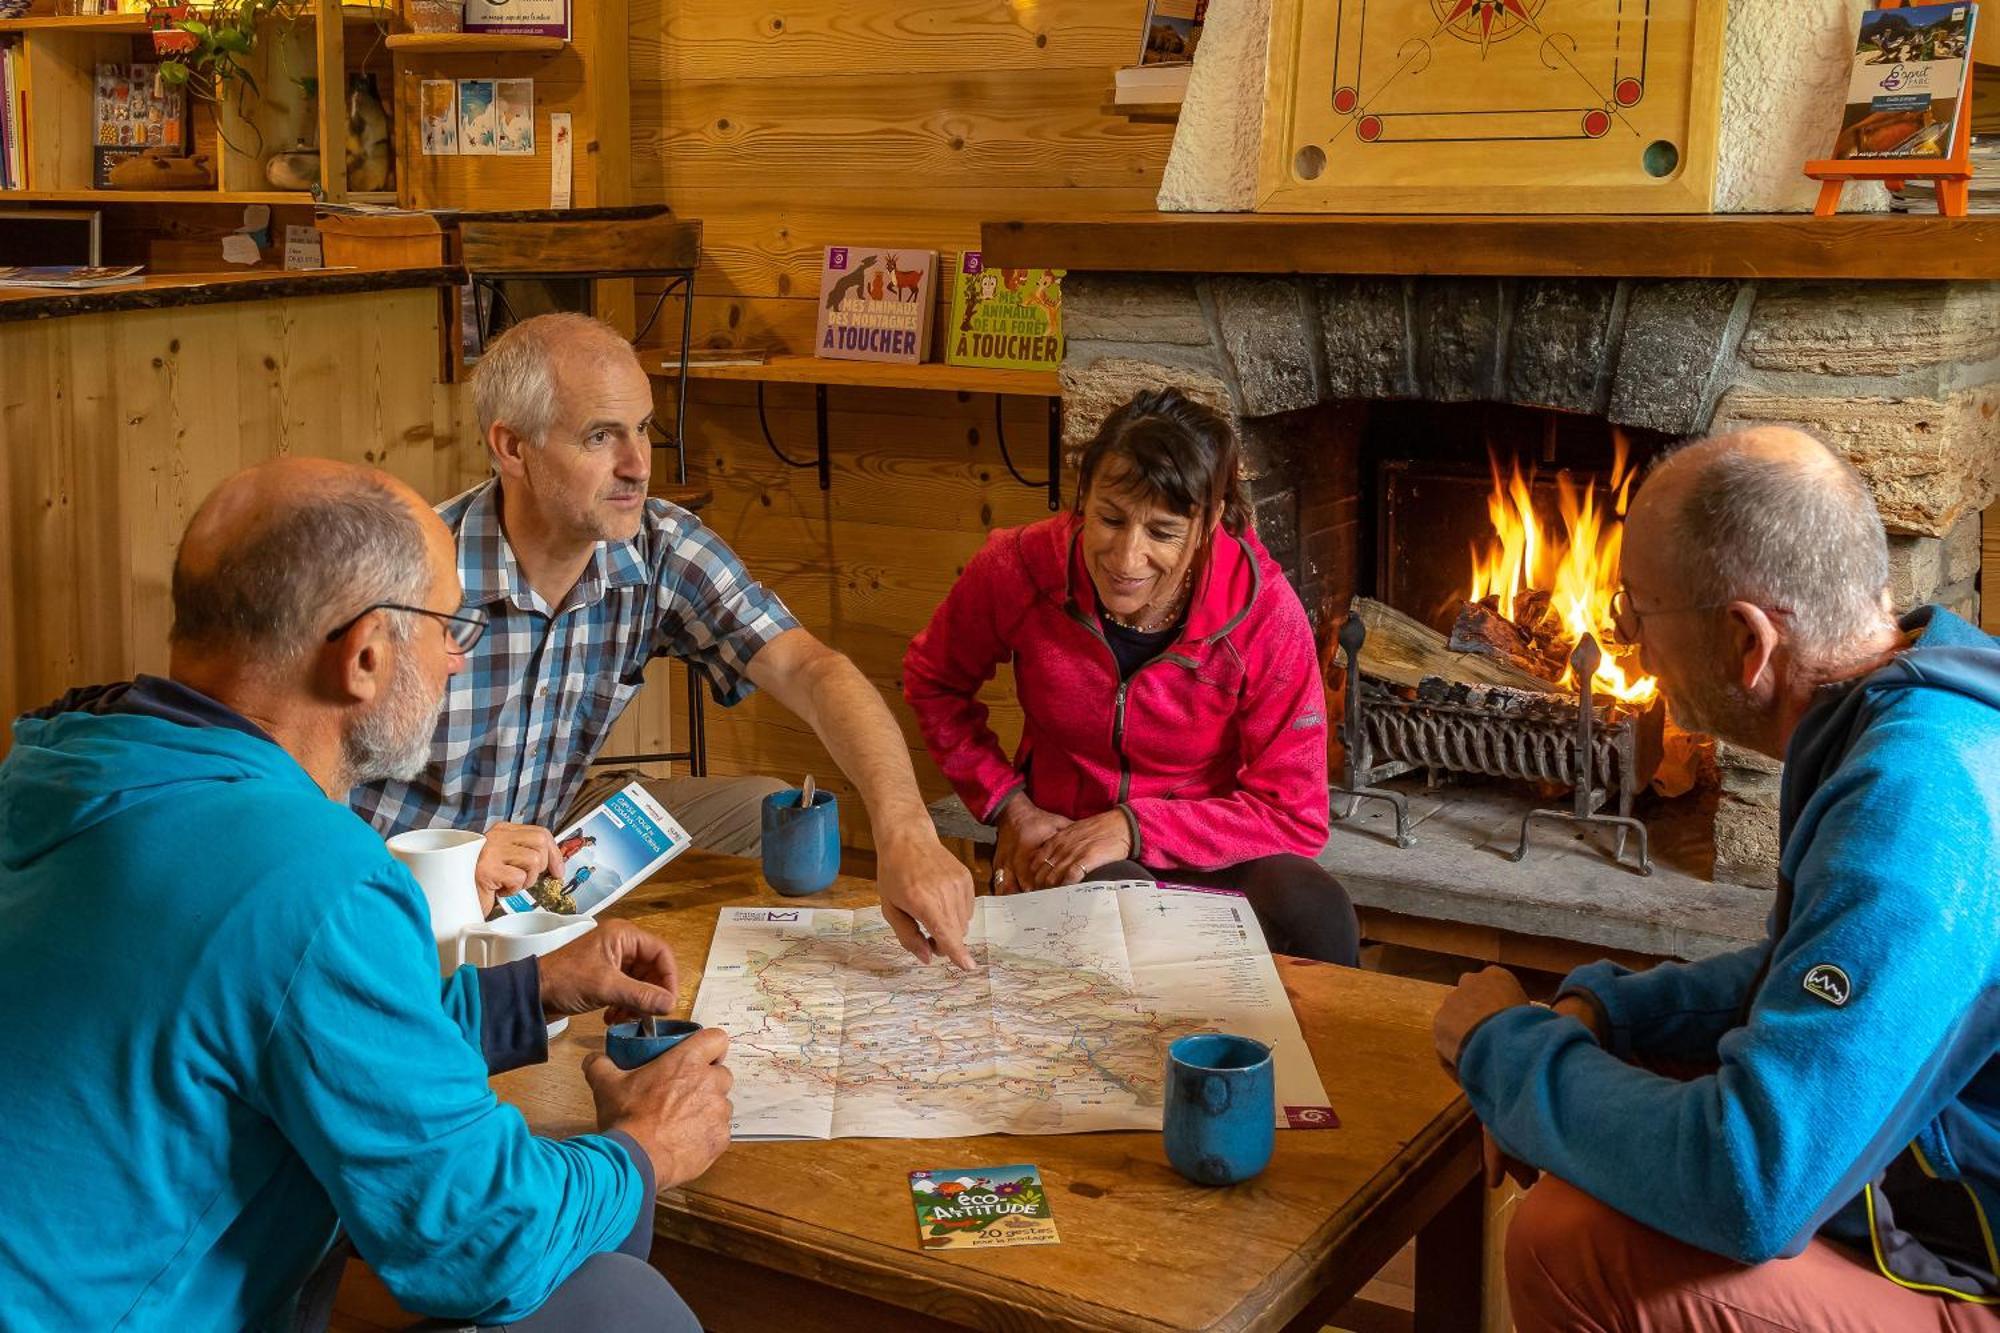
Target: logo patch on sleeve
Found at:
x=1830, y=984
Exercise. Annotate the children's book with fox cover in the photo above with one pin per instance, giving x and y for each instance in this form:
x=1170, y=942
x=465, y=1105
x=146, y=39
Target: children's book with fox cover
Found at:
x=981, y=1207
x=875, y=303
x=1010, y=318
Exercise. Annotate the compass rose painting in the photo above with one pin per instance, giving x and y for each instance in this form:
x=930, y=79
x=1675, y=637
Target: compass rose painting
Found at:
x=1518, y=106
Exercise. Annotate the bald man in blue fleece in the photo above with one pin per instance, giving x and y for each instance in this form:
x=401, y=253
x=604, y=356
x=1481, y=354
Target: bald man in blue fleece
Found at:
x=1840, y=1168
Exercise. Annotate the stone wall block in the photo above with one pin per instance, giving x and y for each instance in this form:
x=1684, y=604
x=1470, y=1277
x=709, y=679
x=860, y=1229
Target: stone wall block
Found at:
x=1131, y=308
x=1559, y=343
x=1961, y=548
x=1929, y=461
x=1364, y=328
x=1677, y=335
x=1094, y=387
x=1265, y=332
x=1872, y=328
x=1916, y=570
x=1746, y=844
x=1458, y=338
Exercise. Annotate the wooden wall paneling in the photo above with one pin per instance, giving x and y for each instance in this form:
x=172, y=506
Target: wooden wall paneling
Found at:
x=118, y=425
x=890, y=130
x=721, y=39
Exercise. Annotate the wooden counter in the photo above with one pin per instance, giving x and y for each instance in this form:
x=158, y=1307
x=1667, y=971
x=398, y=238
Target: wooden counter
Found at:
x=121, y=408
x=169, y=291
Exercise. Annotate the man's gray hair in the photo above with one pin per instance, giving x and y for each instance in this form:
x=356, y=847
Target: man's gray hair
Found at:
x=303, y=572
x=1792, y=532
x=515, y=380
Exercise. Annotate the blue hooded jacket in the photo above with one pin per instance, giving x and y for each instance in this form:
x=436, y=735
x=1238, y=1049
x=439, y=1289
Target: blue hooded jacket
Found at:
x=1858, y=1087
x=224, y=1039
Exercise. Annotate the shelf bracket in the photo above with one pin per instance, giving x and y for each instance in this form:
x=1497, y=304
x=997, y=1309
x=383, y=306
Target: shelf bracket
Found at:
x=1054, y=480
x=824, y=460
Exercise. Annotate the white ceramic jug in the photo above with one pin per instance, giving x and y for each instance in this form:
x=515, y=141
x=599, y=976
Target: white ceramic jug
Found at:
x=442, y=861
x=524, y=935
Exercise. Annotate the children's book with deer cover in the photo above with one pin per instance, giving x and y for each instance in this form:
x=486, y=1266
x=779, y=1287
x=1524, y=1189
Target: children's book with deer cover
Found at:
x=876, y=304
x=1010, y=318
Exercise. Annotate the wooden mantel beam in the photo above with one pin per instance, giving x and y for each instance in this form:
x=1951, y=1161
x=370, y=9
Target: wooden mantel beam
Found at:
x=1876, y=246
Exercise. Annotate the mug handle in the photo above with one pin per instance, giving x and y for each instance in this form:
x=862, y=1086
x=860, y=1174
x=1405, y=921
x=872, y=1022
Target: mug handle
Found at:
x=1215, y=1094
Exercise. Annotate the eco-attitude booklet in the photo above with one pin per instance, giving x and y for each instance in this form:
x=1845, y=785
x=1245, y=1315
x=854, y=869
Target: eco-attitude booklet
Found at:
x=980, y=1207
x=615, y=846
x=1908, y=82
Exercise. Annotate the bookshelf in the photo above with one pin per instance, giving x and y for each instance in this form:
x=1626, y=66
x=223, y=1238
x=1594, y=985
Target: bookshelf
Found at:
x=319, y=39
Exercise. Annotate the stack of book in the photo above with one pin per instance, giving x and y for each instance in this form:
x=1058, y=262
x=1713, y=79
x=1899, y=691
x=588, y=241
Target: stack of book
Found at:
x=13, y=130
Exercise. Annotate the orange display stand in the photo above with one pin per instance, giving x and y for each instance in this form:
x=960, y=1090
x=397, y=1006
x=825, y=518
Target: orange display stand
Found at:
x=1952, y=173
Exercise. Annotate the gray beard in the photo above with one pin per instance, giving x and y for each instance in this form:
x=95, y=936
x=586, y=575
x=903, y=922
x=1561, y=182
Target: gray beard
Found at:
x=393, y=741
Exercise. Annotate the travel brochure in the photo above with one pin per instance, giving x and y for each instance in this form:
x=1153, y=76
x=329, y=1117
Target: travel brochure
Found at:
x=71, y=277
x=982, y=1208
x=1908, y=82
x=615, y=846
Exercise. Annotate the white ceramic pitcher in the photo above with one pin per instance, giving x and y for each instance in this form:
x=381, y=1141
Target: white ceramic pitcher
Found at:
x=509, y=939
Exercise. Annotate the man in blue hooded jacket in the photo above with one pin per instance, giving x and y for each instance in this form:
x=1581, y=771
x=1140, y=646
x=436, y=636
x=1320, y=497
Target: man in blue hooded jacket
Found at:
x=225, y=1057
x=1840, y=1168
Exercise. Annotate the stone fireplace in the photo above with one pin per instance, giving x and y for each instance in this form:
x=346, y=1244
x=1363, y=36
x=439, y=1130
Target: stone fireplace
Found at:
x=1330, y=379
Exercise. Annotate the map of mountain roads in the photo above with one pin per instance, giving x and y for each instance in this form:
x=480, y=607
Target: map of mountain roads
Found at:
x=836, y=1032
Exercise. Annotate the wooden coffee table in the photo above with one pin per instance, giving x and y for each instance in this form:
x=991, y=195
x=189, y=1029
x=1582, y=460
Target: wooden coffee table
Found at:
x=821, y=1235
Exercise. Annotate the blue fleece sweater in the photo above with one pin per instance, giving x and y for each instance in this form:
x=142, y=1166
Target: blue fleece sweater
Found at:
x=224, y=1039
x=1862, y=1035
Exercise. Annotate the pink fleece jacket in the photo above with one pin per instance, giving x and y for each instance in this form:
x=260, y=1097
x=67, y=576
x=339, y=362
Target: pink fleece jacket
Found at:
x=1215, y=750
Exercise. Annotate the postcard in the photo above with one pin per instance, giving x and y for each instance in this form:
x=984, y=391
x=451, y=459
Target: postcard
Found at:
x=438, y=100
x=478, y=133
x=514, y=116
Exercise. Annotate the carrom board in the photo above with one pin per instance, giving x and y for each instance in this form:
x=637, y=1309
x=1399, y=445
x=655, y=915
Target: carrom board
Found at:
x=1491, y=106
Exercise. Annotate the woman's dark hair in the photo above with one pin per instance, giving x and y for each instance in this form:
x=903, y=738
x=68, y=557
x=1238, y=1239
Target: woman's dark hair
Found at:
x=1165, y=445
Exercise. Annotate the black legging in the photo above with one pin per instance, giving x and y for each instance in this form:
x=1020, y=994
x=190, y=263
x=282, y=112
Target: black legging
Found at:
x=1302, y=908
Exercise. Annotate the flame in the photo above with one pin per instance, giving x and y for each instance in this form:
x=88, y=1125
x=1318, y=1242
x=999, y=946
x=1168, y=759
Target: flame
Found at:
x=1578, y=568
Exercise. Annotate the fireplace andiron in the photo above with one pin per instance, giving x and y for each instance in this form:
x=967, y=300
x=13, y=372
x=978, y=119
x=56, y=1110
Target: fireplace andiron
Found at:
x=1498, y=732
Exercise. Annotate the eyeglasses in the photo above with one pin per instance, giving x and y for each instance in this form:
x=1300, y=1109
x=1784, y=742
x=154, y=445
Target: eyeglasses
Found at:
x=1627, y=622
x=463, y=630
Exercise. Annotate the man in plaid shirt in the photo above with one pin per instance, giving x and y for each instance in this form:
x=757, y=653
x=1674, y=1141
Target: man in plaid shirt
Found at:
x=581, y=580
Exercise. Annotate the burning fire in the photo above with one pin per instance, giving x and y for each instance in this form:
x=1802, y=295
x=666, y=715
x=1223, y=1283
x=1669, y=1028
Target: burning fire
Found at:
x=1570, y=577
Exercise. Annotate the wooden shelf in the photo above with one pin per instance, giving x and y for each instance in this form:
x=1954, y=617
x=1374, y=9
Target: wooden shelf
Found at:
x=934, y=375
x=471, y=43
x=135, y=25
x=1885, y=246
x=294, y=197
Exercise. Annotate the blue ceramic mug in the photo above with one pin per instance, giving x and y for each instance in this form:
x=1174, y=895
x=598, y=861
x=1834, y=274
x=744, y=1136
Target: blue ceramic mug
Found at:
x=1221, y=1112
x=801, y=844
x=629, y=1047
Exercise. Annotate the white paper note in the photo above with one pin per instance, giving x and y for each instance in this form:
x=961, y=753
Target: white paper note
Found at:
x=302, y=249
x=561, y=145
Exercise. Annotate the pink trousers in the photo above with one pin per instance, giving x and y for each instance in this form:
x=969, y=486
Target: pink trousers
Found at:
x=1577, y=1266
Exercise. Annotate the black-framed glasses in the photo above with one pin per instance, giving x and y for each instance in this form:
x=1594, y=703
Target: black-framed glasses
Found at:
x=464, y=630
x=1627, y=622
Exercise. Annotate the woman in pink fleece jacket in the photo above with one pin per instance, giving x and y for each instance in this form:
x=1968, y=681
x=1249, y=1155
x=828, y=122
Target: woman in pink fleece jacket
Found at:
x=1175, y=723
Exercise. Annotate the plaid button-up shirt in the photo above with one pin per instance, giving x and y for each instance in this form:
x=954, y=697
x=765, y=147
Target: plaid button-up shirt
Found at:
x=526, y=716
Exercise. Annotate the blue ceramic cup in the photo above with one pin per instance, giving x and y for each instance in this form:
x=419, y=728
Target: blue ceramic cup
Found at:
x=801, y=844
x=629, y=1048
x=1221, y=1113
